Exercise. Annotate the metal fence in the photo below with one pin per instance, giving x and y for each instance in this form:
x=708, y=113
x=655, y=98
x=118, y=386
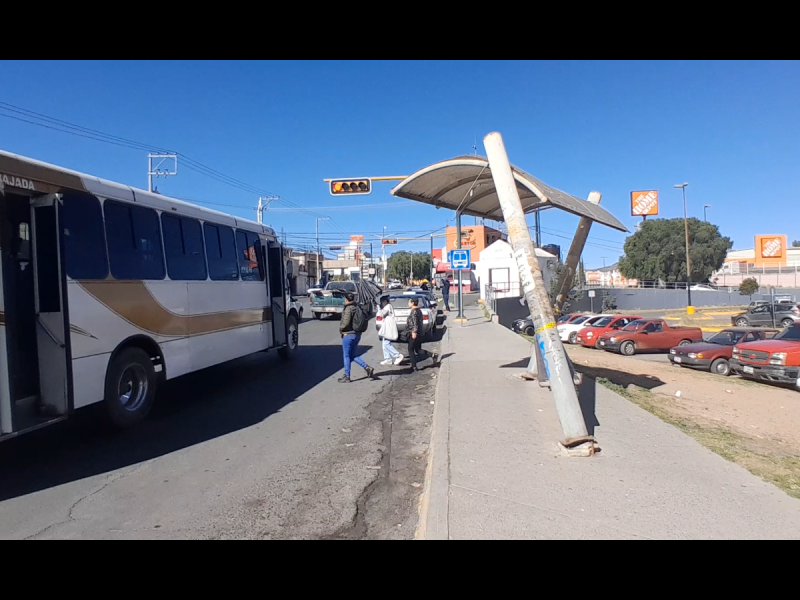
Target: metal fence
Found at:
x=490, y=299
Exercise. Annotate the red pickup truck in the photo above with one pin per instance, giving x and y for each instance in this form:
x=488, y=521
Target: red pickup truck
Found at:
x=589, y=336
x=776, y=360
x=649, y=335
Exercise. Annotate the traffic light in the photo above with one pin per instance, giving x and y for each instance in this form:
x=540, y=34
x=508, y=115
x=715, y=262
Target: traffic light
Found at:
x=340, y=187
x=388, y=242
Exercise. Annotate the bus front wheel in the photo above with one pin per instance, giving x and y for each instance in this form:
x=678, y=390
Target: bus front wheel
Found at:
x=130, y=387
x=292, y=338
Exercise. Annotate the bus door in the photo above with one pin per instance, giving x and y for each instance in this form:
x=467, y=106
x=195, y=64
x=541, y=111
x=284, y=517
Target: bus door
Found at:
x=276, y=276
x=51, y=308
x=6, y=410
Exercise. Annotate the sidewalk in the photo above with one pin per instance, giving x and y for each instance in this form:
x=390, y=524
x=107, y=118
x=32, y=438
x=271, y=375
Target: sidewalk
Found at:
x=496, y=471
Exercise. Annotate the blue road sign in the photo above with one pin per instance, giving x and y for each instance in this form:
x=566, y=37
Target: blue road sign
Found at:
x=460, y=260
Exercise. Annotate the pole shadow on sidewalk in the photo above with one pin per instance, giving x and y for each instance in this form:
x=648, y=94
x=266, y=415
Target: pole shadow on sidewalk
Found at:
x=587, y=394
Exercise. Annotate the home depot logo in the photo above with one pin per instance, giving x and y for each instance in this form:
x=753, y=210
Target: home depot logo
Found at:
x=644, y=203
x=772, y=248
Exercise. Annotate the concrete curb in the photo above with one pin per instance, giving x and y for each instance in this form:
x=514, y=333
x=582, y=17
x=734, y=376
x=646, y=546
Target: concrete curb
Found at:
x=433, y=523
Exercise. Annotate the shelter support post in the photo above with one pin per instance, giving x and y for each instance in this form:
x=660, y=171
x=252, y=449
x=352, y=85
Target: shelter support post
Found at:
x=556, y=362
x=567, y=279
x=460, y=316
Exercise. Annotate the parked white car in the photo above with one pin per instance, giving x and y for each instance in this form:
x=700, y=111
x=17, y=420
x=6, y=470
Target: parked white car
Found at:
x=569, y=332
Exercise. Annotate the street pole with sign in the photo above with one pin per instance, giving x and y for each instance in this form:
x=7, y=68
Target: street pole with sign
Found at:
x=558, y=369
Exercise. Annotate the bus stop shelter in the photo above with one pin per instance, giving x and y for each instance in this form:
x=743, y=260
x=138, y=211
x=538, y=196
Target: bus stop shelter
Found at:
x=467, y=185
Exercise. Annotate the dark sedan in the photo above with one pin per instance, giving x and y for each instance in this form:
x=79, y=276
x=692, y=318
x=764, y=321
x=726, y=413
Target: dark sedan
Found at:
x=715, y=354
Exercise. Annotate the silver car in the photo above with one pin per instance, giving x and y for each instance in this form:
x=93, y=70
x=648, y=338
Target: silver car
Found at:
x=401, y=312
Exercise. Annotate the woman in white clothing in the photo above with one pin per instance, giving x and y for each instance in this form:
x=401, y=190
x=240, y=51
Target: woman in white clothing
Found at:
x=389, y=333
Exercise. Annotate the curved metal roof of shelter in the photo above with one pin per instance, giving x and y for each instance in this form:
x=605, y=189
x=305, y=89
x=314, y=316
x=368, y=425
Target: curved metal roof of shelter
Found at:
x=447, y=185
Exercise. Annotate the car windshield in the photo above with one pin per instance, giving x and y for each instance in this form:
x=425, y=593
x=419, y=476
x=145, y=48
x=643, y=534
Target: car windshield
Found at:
x=727, y=338
x=341, y=286
x=790, y=334
x=604, y=322
x=634, y=326
x=579, y=320
x=564, y=318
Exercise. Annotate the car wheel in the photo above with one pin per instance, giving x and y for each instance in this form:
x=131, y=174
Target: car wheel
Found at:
x=572, y=338
x=787, y=323
x=130, y=387
x=685, y=343
x=315, y=316
x=530, y=331
x=742, y=323
x=627, y=349
x=721, y=367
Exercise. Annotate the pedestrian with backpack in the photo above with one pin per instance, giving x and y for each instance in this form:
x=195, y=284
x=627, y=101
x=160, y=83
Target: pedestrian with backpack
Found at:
x=355, y=322
x=389, y=333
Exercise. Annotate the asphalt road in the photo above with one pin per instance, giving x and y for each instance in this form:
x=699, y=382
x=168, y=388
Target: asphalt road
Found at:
x=254, y=449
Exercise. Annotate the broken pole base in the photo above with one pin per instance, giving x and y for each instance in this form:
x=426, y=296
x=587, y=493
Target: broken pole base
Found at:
x=580, y=447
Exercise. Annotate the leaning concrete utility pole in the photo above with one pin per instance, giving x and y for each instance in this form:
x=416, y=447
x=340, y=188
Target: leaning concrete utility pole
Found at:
x=573, y=424
x=567, y=279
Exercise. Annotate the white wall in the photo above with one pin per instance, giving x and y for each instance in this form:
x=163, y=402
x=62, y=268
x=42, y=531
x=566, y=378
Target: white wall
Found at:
x=500, y=256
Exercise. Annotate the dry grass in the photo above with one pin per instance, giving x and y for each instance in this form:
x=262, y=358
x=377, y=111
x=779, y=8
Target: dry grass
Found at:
x=763, y=459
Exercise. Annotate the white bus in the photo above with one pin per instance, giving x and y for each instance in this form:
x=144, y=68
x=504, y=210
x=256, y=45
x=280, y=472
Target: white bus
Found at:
x=107, y=291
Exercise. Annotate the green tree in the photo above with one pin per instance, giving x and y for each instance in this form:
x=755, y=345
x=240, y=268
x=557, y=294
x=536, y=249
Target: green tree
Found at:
x=575, y=294
x=399, y=265
x=658, y=251
x=749, y=286
x=796, y=244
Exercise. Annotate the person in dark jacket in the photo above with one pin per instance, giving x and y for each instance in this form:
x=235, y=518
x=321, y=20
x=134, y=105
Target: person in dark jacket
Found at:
x=350, y=340
x=414, y=326
x=446, y=294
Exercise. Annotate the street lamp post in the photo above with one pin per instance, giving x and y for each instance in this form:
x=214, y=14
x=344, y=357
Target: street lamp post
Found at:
x=705, y=212
x=319, y=274
x=383, y=257
x=689, y=308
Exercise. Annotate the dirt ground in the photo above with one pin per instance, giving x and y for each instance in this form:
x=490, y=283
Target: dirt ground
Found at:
x=751, y=409
x=754, y=425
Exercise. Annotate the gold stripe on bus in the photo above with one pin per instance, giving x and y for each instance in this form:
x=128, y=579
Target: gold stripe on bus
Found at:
x=133, y=302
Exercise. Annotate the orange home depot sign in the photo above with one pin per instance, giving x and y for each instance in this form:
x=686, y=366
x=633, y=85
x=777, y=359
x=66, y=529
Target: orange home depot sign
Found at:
x=356, y=239
x=644, y=204
x=771, y=250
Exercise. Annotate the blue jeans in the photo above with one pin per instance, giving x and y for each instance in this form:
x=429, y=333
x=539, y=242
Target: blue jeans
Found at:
x=350, y=348
x=446, y=299
x=389, y=351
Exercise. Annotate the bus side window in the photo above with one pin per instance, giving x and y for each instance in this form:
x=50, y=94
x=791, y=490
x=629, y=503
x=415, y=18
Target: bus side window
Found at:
x=248, y=261
x=183, y=246
x=221, y=253
x=84, y=237
x=134, y=242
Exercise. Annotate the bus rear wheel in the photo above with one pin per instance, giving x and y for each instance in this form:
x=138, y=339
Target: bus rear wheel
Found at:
x=130, y=389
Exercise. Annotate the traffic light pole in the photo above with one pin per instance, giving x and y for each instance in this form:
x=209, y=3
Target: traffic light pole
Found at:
x=556, y=363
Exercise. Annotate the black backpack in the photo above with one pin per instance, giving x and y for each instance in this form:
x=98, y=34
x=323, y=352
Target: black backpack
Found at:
x=360, y=319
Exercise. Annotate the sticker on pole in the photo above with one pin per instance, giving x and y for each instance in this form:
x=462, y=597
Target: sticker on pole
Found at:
x=460, y=260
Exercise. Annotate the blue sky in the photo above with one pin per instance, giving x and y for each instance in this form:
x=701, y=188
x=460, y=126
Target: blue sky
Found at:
x=729, y=129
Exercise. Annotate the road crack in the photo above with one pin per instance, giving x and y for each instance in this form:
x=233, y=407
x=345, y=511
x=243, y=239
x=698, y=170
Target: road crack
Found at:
x=71, y=511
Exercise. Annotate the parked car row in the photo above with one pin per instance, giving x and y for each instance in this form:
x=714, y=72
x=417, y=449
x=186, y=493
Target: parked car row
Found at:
x=768, y=354
x=625, y=334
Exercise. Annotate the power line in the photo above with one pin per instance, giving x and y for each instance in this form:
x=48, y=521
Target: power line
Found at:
x=30, y=117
